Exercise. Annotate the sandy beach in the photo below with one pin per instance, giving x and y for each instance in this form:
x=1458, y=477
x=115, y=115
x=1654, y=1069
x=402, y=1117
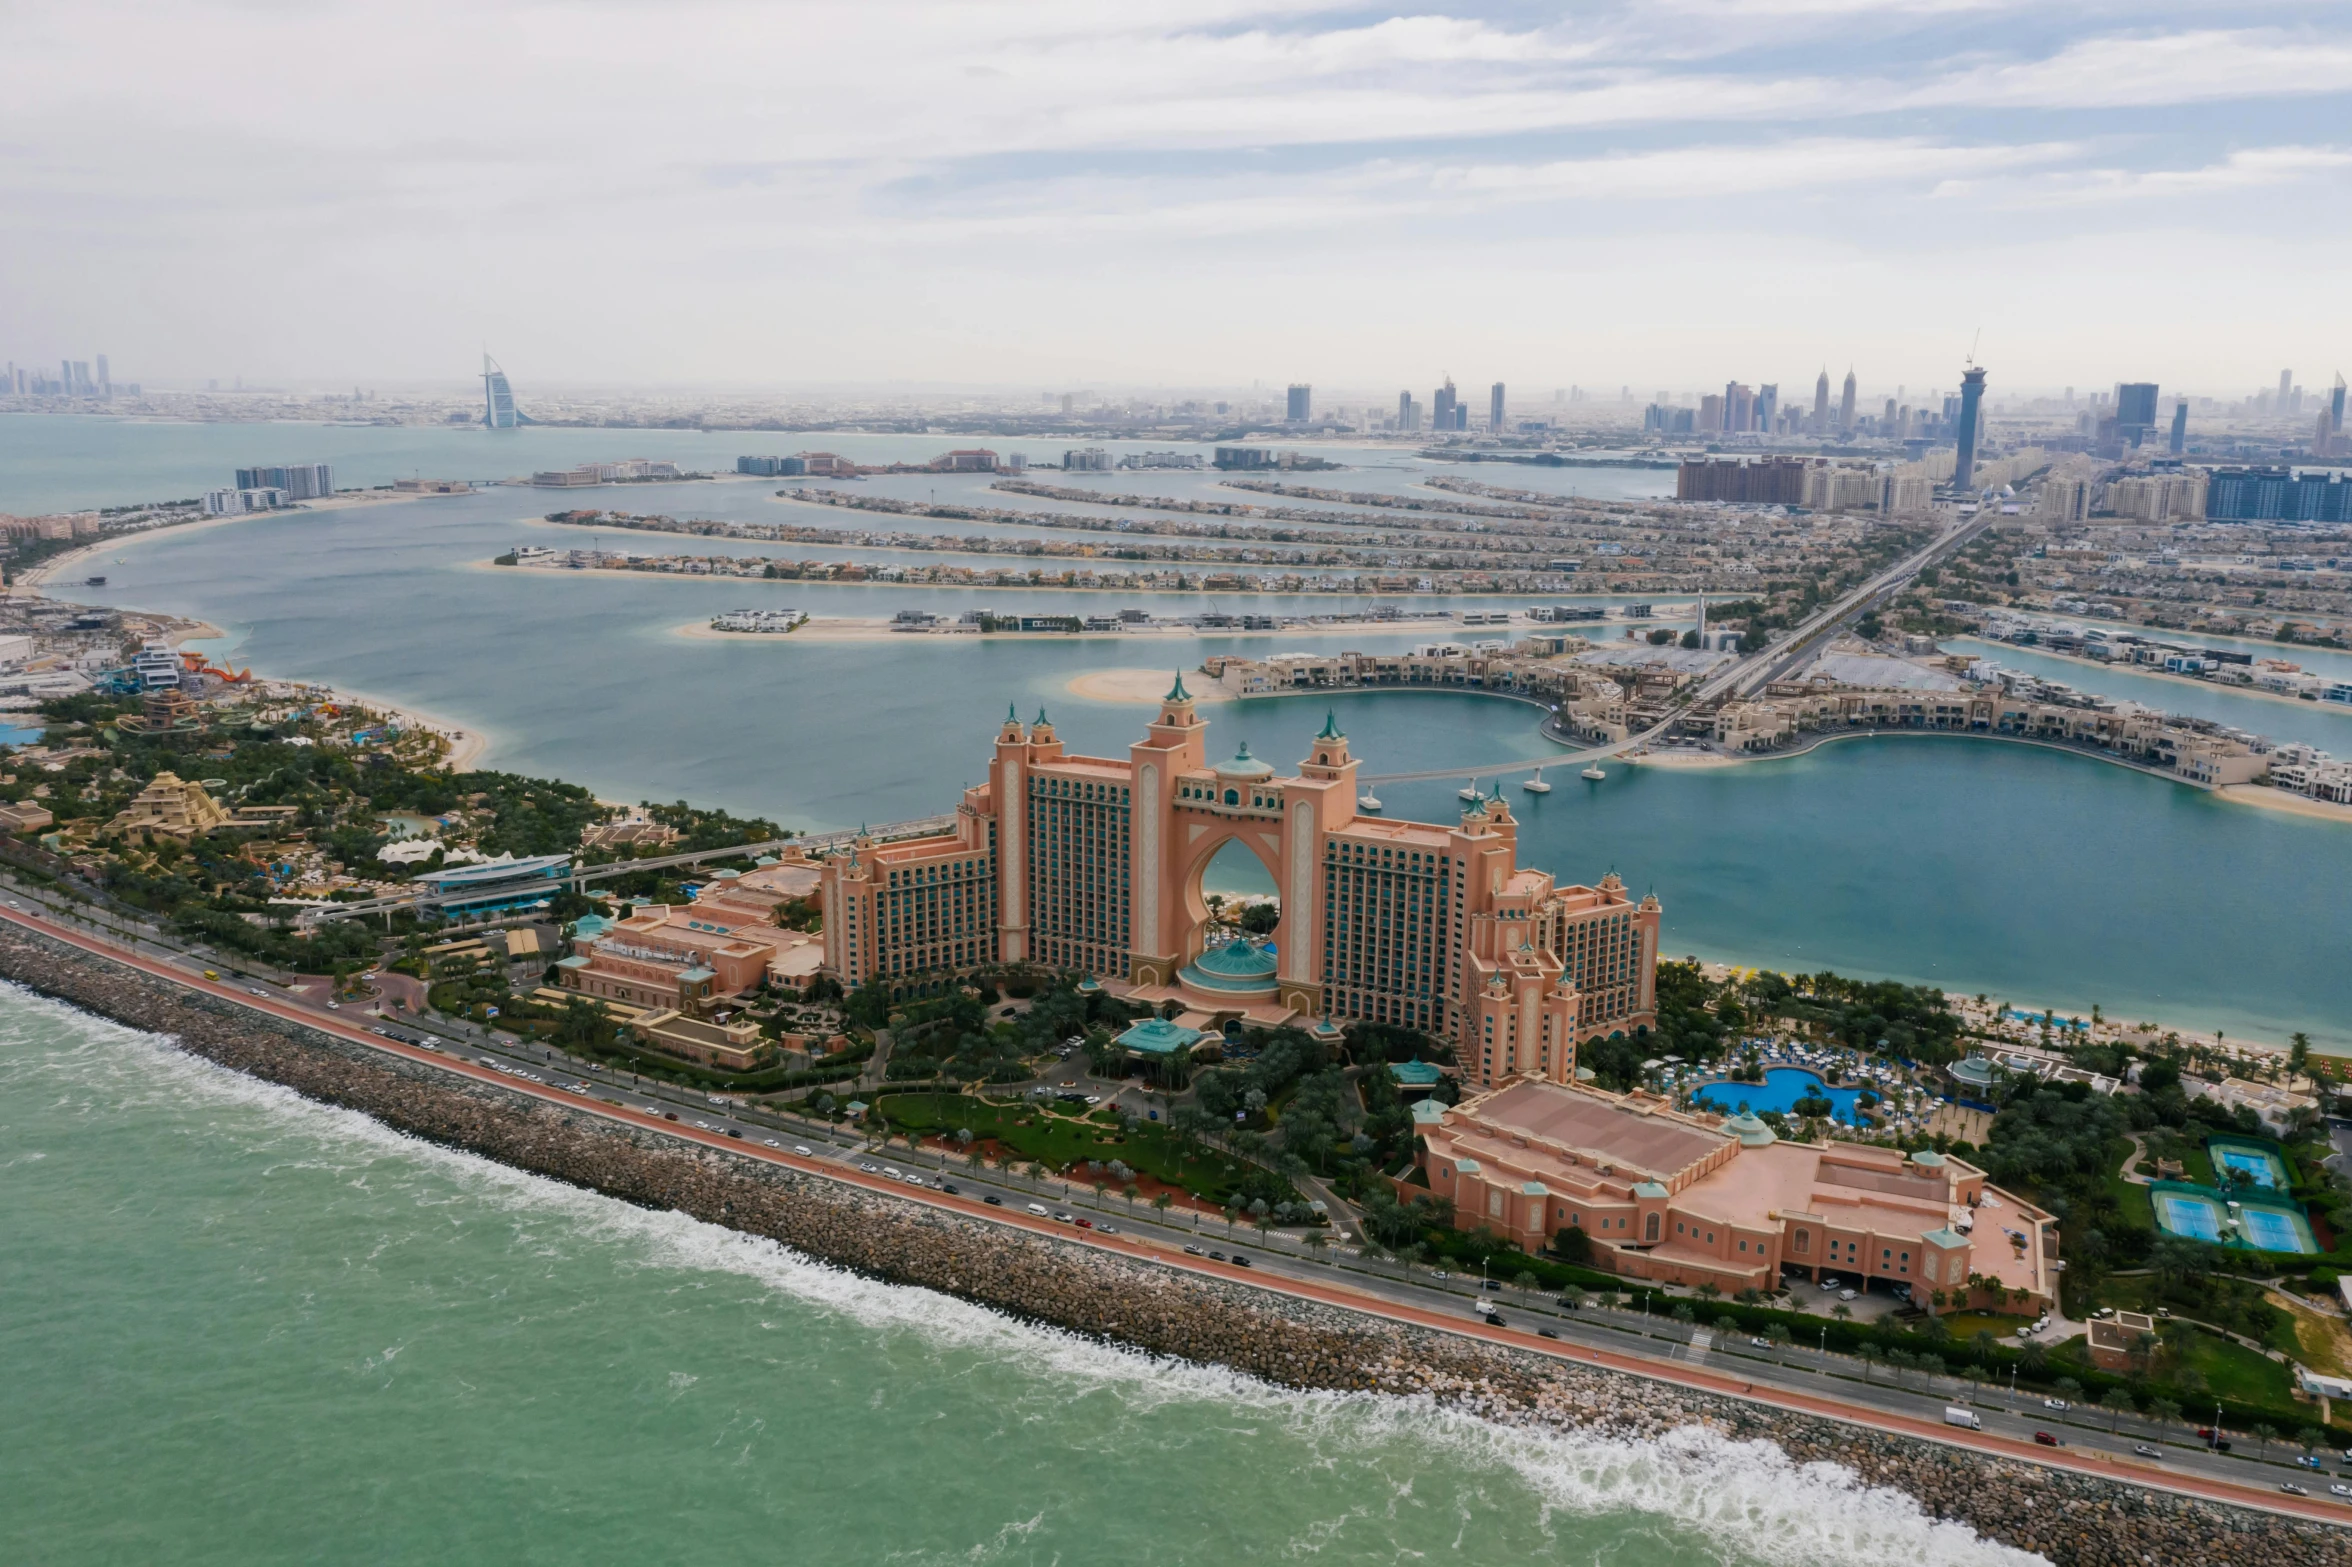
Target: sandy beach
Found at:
x=2255, y=693
x=2269, y=799
x=1141, y=686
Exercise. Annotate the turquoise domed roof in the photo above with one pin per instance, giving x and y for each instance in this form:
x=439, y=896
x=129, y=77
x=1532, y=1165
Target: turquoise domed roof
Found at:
x=1238, y=966
x=1751, y=1131
x=1244, y=765
x=1240, y=957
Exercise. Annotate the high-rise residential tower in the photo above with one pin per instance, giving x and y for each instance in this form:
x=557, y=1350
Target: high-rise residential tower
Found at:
x=1494, y=408
x=2135, y=410
x=1301, y=404
x=2180, y=427
x=1846, y=405
x=1445, y=407
x=1821, y=402
x=1971, y=409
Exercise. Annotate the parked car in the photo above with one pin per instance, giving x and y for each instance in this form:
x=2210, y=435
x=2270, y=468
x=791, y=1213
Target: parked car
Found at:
x=1240, y=1261
x=1846, y=1295
x=2047, y=1440
x=993, y=1200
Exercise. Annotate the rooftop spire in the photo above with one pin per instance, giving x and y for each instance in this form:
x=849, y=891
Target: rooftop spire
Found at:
x=1041, y=718
x=1177, y=693
x=1330, y=726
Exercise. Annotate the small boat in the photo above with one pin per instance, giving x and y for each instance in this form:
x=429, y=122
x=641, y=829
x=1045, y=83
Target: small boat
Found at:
x=1472, y=793
x=1536, y=784
x=1367, y=801
x=1594, y=773
x=93, y=582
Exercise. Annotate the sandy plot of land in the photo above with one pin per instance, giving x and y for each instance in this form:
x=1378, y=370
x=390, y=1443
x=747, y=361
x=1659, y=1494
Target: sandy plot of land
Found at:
x=2281, y=800
x=1142, y=686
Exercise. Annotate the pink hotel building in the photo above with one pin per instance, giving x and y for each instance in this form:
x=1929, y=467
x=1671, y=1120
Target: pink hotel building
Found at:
x=1095, y=864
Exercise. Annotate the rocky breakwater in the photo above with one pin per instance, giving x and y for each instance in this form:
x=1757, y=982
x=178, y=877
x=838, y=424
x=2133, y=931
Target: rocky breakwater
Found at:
x=2074, y=1520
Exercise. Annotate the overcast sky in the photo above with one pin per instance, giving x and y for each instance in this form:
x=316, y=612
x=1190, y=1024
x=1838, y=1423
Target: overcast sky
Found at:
x=1203, y=193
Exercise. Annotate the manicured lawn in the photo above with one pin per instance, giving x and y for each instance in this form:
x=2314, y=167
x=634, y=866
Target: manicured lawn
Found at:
x=2236, y=1372
x=2130, y=1200
x=1032, y=1134
x=1966, y=1325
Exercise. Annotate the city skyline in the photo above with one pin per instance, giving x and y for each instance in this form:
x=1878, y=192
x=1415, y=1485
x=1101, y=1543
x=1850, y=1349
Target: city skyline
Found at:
x=986, y=196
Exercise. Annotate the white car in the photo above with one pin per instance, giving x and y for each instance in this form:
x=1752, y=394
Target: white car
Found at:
x=801, y=1150
x=892, y=1171
x=869, y=1169
x=2054, y=1403
x=1847, y=1295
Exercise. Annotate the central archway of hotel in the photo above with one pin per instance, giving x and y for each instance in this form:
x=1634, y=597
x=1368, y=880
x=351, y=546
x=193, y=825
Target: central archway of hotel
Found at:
x=1244, y=888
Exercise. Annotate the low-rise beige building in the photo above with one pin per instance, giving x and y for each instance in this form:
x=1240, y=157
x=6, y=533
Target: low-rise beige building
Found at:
x=1701, y=1200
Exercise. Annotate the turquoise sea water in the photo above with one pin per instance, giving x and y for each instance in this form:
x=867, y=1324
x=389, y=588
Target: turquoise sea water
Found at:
x=239, y=1328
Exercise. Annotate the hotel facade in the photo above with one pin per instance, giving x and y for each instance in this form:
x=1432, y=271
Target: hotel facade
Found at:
x=1095, y=865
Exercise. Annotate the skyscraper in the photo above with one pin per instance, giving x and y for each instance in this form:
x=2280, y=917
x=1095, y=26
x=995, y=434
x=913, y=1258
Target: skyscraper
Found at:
x=1971, y=398
x=105, y=380
x=2135, y=410
x=1494, y=408
x=1767, y=406
x=2286, y=389
x=1846, y=404
x=2180, y=427
x=1301, y=405
x=498, y=404
x=1443, y=407
x=2336, y=406
x=1821, y=402
x=1408, y=412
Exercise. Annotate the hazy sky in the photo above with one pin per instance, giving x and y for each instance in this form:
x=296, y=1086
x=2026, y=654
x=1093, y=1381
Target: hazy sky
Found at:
x=1139, y=192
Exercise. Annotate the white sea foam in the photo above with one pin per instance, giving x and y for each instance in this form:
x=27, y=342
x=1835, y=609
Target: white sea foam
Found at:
x=1746, y=1501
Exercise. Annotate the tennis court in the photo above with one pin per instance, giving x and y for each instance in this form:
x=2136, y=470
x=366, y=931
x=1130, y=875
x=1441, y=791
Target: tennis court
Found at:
x=2188, y=1213
x=2274, y=1229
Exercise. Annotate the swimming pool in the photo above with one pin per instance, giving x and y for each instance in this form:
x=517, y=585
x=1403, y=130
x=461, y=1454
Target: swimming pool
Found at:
x=2262, y=1167
x=1782, y=1087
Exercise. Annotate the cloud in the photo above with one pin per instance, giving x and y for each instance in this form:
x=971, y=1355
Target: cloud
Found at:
x=2156, y=69
x=2249, y=168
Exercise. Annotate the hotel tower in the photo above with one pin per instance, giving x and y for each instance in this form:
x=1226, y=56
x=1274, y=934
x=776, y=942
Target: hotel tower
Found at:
x=1094, y=865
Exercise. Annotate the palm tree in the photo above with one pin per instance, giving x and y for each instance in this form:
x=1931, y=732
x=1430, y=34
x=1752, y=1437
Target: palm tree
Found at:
x=1778, y=1336
x=2163, y=1411
x=2264, y=1434
x=1162, y=1202
x=1871, y=1355
x=2117, y=1403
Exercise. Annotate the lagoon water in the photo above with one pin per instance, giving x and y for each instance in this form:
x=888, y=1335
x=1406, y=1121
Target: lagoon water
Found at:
x=243, y=1329
x=2049, y=879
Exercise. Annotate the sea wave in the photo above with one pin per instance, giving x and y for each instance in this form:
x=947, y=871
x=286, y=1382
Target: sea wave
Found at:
x=1743, y=1501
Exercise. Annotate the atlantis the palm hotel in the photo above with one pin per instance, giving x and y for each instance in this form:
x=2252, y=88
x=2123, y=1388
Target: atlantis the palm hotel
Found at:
x=1095, y=865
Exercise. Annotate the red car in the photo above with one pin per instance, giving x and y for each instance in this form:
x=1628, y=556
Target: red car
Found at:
x=2047, y=1440
x=1086, y=1224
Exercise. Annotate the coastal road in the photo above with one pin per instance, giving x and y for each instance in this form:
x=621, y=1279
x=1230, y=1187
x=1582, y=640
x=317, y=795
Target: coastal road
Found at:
x=1584, y=1337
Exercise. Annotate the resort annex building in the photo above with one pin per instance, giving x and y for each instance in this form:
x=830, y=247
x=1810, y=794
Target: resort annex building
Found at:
x=1095, y=865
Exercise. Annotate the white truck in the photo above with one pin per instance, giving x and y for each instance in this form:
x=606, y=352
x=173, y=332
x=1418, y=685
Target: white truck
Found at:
x=1962, y=1417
